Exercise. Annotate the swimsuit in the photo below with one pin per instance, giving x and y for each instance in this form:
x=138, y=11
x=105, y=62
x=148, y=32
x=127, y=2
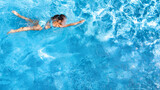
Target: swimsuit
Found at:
x=43, y=23
x=51, y=24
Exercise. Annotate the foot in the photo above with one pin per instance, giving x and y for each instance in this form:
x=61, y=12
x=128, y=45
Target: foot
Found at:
x=14, y=12
x=12, y=31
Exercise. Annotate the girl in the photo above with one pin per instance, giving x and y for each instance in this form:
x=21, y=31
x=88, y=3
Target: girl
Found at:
x=55, y=21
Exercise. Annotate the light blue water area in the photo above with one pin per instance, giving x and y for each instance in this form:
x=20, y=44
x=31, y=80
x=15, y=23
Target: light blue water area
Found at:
x=116, y=48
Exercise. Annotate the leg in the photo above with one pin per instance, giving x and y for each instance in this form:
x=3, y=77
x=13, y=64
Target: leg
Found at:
x=25, y=29
x=27, y=19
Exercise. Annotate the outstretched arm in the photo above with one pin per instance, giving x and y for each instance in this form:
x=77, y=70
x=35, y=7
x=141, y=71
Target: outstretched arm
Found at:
x=72, y=24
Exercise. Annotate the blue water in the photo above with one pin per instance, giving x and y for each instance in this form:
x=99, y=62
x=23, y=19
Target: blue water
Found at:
x=117, y=48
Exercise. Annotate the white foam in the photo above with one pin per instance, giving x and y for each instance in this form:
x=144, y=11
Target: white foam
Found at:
x=134, y=1
x=113, y=18
x=135, y=21
x=133, y=65
x=152, y=23
x=111, y=50
x=121, y=9
x=44, y=55
x=106, y=36
x=143, y=23
x=157, y=84
x=99, y=11
x=130, y=43
x=151, y=43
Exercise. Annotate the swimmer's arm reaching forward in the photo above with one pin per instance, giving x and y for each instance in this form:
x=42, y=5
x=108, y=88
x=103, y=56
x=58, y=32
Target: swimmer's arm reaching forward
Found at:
x=72, y=24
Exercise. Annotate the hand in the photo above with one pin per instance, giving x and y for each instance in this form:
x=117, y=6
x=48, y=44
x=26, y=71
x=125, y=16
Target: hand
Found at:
x=14, y=12
x=81, y=21
x=12, y=31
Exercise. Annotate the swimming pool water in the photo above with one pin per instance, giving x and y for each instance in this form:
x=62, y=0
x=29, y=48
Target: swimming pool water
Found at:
x=116, y=48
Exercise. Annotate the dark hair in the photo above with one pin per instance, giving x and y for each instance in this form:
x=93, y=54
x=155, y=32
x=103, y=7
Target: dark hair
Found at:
x=54, y=17
x=59, y=17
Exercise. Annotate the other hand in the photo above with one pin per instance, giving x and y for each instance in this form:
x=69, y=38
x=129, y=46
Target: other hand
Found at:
x=81, y=21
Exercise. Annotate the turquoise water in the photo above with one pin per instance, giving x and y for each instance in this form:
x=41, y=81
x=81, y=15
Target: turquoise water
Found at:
x=117, y=48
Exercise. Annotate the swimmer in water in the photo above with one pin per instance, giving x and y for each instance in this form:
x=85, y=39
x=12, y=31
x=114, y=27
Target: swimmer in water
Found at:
x=55, y=21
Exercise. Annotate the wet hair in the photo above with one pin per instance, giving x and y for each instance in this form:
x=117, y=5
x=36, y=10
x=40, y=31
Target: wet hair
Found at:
x=62, y=17
x=59, y=17
x=54, y=17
